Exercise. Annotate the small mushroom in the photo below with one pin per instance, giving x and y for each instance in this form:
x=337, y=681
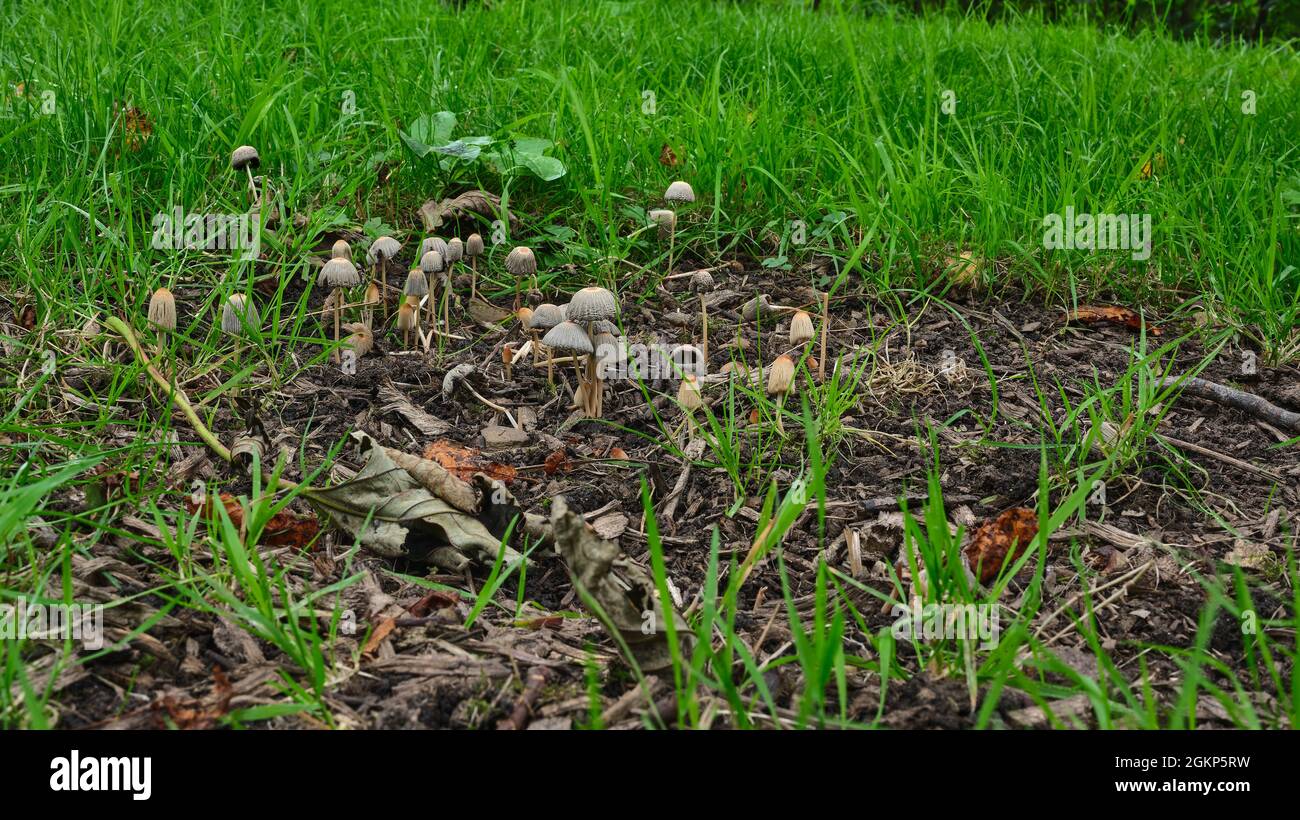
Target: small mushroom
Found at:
x=702, y=283
x=587, y=307
x=434, y=243
x=473, y=250
x=545, y=317
x=521, y=263
x=569, y=337
x=678, y=193
x=780, y=380
x=665, y=220
x=360, y=339
x=338, y=274
x=245, y=158
x=162, y=315
x=238, y=317
x=382, y=251
x=433, y=263
x=417, y=286
x=755, y=307
x=372, y=298
x=801, y=329
x=406, y=321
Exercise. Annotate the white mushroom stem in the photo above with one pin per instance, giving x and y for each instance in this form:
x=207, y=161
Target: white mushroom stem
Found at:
x=473, y=277
x=383, y=284
x=338, y=319
x=704, y=330
x=826, y=321
x=252, y=186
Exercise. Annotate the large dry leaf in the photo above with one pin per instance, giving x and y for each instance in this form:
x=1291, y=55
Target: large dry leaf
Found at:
x=624, y=591
x=285, y=529
x=992, y=541
x=1111, y=314
x=392, y=513
x=464, y=462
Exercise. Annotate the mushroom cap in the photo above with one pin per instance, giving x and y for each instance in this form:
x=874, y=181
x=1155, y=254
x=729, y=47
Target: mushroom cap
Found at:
x=341, y=250
x=688, y=394
x=245, y=156
x=592, y=305
x=162, y=309
x=385, y=247
x=416, y=283
x=680, y=191
x=431, y=262
x=455, y=377
x=525, y=316
x=521, y=261
x=474, y=245
x=237, y=313
x=780, y=377
x=665, y=219
x=610, y=352
x=754, y=307
x=405, y=317
x=434, y=243
x=339, y=273
x=605, y=326
x=701, y=281
x=545, y=317
x=567, y=336
x=372, y=293
x=455, y=250
x=801, y=328
x=361, y=338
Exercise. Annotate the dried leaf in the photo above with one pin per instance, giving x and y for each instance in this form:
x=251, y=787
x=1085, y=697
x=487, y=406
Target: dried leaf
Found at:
x=384, y=628
x=395, y=402
x=285, y=529
x=556, y=461
x=464, y=461
x=667, y=157
x=623, y=590
x=1110, y=314
x=1008, y=533
x=434, y=214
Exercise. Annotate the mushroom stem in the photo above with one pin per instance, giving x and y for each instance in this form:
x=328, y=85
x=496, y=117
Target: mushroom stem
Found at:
x=704, y=330
x=473, y=277
x=338, y=321
x=491, y=404
x=672, y=241
x=239, y=347
x=446, y=307
x=383, y=284
x=252, y=186
x=780, y=422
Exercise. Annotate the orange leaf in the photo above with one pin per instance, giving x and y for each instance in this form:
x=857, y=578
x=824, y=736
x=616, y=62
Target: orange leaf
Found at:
x=556, y=462
x=1111, y=314
x=667, y=157
x=463, y=462
x=382, y=631
x=285, y=529
x=991, y=542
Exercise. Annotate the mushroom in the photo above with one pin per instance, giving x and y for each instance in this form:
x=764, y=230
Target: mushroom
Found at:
x=610, y=352
x=571, y=338
x=679, y=193
x=473, y=249
x=162, y=315
x=507, y=358
x=545, y=317
x=665, y=220
x=702, y=283
x=801, y=329
x=434, y=243
x=417, y=286
x=361, y=339
x=238, y=317
x=432, y=264
x=406, y=321
x=780, y=379
x=372, y=298
x=587, y=307
x=381, y=251
x=459, y=377
x=520, y=263
x=245, y=158
x=339, y=273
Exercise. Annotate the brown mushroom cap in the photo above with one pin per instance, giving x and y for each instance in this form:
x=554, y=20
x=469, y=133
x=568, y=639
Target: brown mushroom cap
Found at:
x=780, y=377
x=339, y=273
x=405, y=317
x=434, y=243
x=680, y=191
x=801, y=328
x=545, y=317
x=521, y=261
x=361, y=339
x=701, y=281
x=372, y=293
x=385, y=247
x=591, y=305
x=688, y=394
x=162, y=310
x=567, y=336
x=341, y=250
x=237, y=314
x=455, y=250
x=417, y=284
x=474, y=245
x=245, y=156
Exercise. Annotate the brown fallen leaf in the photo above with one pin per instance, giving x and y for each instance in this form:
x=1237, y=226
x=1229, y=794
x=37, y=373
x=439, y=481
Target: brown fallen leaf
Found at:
x=990, y=543
x=668, y=157
x=382, y=631
x=27, y=317
x=464, y=462
x=434, y=599
x=200, y=713
x=285, y=529
x=434, y=214
x=137, y=126
x=556, y=461
x=1110, y=314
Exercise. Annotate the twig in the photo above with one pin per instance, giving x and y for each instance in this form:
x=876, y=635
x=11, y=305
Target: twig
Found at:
x=520, y=715
x=1241, y=400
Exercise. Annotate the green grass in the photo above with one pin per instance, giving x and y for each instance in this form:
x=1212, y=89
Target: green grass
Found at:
x=802, y=132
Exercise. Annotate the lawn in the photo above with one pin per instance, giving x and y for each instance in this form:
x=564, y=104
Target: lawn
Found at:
x=1052, y=275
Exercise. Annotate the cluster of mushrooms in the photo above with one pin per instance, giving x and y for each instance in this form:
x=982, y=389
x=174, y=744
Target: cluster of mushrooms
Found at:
x=583, y=333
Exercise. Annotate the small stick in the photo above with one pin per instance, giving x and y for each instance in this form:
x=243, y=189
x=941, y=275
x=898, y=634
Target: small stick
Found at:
x=826, y=320
x=1248, y=402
